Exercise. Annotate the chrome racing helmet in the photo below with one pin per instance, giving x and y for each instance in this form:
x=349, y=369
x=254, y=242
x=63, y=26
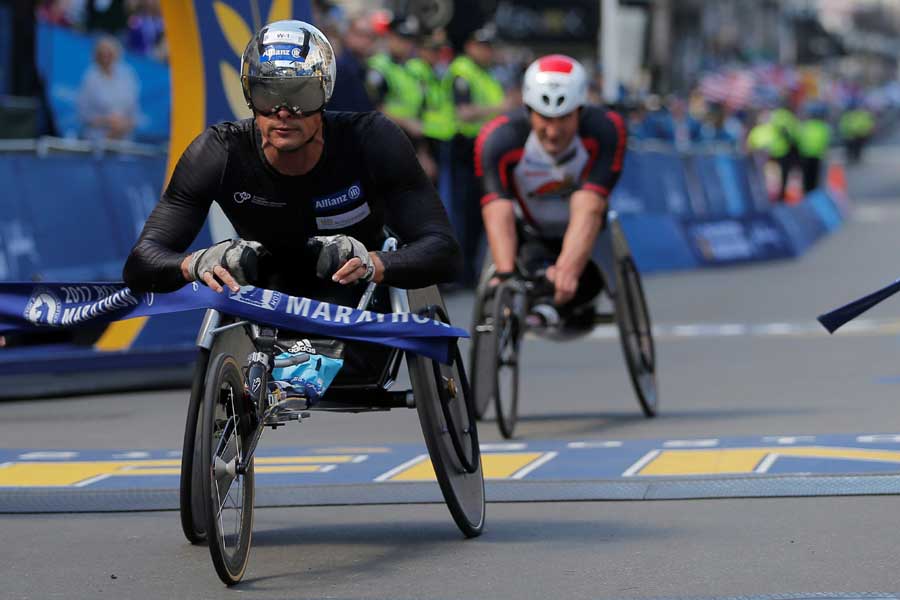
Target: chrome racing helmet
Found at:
x=288, y=64
x=555, y=85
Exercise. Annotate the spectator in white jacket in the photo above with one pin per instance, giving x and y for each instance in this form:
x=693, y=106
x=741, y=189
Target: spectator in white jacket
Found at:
x=108, y=96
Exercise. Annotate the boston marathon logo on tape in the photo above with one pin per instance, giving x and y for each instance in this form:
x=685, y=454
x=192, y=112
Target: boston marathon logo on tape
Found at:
x=259, y=297
x=73, y=304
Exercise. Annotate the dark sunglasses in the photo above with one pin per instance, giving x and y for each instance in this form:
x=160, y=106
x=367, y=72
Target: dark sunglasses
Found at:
x=299, y=95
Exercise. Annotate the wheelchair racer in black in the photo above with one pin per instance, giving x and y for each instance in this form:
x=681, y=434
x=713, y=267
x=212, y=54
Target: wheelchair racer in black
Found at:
x=547, y=171
x=308, y=191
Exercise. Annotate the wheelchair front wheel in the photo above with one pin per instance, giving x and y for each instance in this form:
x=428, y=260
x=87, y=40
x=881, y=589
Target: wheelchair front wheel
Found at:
x=636, y=335
x=227, y=491
x=506, y=341
x=481, y=354
x=442, y=390
x=191, y=504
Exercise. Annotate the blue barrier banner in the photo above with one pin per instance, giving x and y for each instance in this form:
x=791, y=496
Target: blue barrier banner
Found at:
x=63, y=202
x=744, y=239
x=657, y=242
x=34, y=307
x=63, y=57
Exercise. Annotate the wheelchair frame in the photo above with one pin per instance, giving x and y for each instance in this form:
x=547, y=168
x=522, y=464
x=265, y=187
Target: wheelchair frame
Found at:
x=499, y=318
x=440, y=393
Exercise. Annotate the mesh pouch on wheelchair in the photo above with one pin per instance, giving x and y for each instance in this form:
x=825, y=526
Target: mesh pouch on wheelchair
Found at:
x=319, y=361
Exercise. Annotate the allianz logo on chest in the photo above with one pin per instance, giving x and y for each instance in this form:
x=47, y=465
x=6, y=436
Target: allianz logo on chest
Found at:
x=339, y=199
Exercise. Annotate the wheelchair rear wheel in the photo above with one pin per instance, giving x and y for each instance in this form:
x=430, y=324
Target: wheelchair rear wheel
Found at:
x=446, y=413
x=506, y=336
x=191, y=504
x=636, y=335
x=228, y=492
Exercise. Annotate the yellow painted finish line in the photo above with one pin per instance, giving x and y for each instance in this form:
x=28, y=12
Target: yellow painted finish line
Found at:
x=731, y=461
x=505, y=465
x=120, y=335
x=81, y=473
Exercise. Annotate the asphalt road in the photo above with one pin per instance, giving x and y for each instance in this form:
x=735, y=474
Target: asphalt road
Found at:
x=718, y=380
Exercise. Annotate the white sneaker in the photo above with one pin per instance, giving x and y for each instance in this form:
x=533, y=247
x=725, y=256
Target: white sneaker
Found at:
x=543, y=315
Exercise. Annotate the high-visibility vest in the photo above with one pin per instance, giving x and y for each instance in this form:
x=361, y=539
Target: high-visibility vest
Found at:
x=786, y=121
x=484, y=88
x=404, y=98
x=437, y=109
x=856, y=123
x=813, y=137
x=769, y=138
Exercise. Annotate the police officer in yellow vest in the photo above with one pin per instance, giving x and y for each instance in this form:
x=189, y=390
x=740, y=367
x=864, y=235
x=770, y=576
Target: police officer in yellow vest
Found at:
x=477, y=97
x=771, y=139
x=395, y=91
x=437, y=114
x=856, y=126
x=813, y=139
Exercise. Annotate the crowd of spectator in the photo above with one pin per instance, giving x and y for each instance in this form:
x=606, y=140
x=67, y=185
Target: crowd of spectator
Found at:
x=137, y=24
x=108, y=95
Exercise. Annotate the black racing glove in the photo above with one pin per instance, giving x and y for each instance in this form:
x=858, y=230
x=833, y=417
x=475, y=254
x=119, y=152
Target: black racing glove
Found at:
x=241, y=258
x=334, y=250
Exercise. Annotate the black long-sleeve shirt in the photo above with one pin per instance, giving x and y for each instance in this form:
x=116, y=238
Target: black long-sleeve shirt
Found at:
x=367, y=178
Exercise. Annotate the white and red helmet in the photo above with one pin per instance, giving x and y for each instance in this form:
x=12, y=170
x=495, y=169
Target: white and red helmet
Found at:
x=555, y=85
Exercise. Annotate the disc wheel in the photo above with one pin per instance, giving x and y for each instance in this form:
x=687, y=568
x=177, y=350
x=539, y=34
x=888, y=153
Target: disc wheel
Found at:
x=227, y=491
x=191, y=504
x=636, y=335
x=441, y=391
x=506, y=337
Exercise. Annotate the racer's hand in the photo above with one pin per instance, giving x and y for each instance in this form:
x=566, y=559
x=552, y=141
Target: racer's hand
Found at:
x=233, y=263
x=342, y=258
x=354, y=270
x=565, y=283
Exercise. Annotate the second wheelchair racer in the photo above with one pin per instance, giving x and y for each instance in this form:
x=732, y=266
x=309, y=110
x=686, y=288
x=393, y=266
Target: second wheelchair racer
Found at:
x=547, y=170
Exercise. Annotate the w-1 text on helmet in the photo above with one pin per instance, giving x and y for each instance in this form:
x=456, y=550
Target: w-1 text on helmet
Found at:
x=288, y=64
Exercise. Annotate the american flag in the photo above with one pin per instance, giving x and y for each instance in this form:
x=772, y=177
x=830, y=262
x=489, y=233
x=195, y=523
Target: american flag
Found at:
x=732, y=88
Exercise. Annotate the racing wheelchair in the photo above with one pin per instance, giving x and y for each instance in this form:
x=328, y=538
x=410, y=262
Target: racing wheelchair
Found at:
x=500, y=322
x=233, y=400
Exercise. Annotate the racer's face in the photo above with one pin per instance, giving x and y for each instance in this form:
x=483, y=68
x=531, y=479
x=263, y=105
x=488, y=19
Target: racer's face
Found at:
x=555, y=133
x=287, y=132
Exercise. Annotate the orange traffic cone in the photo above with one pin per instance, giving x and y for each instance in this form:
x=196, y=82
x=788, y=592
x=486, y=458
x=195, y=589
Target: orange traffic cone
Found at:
x=793, y=194
x=837, y=178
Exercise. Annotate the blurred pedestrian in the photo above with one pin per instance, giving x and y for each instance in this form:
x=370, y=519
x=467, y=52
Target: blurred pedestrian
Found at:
x=53, y=12
x=719, y=128
x=109, y=16
x=770, y=140
x=478, y=97
x=145, y=31
x=397, y=92
x=108, y=96
x=784, y=120
x=813, y=140
x=358, y=43
x=436, y=112
x=674, y=124
x=856, y=126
